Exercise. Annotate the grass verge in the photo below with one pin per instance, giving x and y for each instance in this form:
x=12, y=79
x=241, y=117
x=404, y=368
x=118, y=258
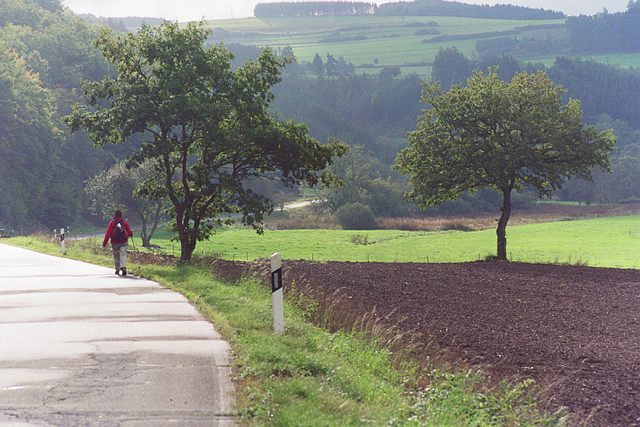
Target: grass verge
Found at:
x=314, y=376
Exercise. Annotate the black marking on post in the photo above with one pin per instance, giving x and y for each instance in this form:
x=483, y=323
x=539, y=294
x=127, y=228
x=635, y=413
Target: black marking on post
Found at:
x=276, y=280
x=62, y=237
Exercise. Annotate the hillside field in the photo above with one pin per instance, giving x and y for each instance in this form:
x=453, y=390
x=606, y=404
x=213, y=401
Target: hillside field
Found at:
x=374, y=42
x=369, y=42
x=601, y=242
x=625, y=60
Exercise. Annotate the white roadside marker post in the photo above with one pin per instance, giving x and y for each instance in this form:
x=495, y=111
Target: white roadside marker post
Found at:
x=62, y=239
x=277, y=297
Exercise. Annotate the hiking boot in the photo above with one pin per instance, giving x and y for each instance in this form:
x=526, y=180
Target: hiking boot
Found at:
x=124, y=271
x=117, y=272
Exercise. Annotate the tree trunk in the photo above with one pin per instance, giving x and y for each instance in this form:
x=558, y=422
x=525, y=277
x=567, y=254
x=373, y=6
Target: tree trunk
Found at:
x=186, y=249
x=143, y=233
x=182, y=228
x=188, y=241
x=156, y=220
x=502, y=224
x=147, y=235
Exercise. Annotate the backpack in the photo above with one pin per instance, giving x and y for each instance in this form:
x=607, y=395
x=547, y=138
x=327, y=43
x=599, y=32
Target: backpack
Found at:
x=119, y=232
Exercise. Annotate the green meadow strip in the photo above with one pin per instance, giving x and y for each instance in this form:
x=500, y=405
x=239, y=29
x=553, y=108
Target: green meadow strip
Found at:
x=601, y=242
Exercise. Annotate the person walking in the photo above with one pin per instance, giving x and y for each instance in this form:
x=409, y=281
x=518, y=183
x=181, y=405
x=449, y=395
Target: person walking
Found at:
x=119, y=232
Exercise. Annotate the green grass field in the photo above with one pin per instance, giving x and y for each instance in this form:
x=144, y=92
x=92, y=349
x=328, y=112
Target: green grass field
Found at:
x=388, y=41
x=624, y=60
x=601, y=242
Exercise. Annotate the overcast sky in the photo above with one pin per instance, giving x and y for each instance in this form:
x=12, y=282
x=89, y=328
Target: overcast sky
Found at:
x=185, y=10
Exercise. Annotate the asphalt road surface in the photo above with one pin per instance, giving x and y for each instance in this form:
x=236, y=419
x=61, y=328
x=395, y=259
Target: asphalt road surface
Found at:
x=82, y=346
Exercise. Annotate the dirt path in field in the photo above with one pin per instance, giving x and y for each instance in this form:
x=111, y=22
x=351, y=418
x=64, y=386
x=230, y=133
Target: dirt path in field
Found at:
x=575, y=330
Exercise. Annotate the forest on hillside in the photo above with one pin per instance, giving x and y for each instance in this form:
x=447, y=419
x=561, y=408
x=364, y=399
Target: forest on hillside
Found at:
x=46, y=52
x=452, y=8
x=604, y=33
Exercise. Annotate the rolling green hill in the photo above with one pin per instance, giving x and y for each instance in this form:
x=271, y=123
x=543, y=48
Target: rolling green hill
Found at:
x=369, y=42
x=409, y=42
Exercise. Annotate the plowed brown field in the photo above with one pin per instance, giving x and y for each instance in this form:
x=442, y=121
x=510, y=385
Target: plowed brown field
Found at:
x=575, y=330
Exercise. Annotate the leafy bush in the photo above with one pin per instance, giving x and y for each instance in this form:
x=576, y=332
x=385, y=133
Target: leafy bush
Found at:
x=523, y=199
x=341, y=38
x=386, y=198
x=360, y=239
x=356, y=216
x=426, y=32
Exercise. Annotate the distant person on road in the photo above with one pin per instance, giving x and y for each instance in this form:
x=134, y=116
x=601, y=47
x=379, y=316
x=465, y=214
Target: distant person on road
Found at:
x=119, y=232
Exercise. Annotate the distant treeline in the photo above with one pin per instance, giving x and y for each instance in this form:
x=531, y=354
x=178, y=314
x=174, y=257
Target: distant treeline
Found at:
x=617, y=32
x=116, y=24
x=123, y=24
x=449, y=8
x=416, y=8
x=602, y=89
x=470, y=36
x=333, y=8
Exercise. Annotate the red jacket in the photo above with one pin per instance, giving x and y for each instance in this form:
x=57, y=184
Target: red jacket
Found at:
x=111, y=232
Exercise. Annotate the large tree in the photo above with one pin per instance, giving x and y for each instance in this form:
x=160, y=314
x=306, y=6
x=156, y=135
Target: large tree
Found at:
x=500, y=135
x=207, y=126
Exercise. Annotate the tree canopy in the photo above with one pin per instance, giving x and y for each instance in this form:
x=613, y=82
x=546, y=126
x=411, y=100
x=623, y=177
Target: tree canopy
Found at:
x=207, y=126
x=499, y=135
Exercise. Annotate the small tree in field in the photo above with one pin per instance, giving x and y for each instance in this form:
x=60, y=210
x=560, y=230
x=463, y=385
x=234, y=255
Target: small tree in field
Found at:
x=206, y=126
x=500, y=135
x=118, y=188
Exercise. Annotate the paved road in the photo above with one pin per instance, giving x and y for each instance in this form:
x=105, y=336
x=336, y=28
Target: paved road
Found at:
x=81, y=346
